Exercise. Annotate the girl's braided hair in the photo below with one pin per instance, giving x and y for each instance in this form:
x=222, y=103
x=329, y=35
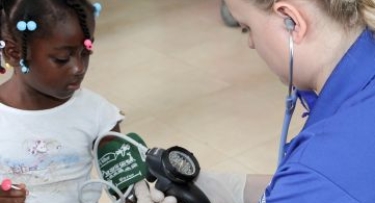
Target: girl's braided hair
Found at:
x=46, y=14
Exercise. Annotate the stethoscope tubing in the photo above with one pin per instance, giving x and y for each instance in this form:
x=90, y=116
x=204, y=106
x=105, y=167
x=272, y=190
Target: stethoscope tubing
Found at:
x=290, y=104
x=289, y=109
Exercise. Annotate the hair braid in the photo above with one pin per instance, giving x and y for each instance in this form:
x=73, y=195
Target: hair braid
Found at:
x=24, y=48
x=82, y=17
x=1, y=13
x=24, y=63
x=2, y=69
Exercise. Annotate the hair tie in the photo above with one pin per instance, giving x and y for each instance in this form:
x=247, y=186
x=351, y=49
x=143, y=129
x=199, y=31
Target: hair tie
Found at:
x=88, y=44
x=30, y=25
x=97, y=9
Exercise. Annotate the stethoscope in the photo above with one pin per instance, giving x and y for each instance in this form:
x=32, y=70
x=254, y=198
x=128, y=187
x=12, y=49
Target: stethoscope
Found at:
x=291, y=99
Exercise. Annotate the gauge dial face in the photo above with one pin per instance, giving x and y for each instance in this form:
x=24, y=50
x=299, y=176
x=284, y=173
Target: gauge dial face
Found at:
x=182, y=162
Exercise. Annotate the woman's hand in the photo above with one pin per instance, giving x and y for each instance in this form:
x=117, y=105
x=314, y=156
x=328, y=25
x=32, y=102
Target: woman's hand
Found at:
x=149, y=194
x=14, y=195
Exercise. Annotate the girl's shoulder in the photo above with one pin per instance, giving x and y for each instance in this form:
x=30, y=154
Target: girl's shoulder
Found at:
x=87, y=94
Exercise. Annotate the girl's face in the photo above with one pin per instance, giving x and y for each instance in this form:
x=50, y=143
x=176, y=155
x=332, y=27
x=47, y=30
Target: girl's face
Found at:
x=58, y=63
x=267, y=34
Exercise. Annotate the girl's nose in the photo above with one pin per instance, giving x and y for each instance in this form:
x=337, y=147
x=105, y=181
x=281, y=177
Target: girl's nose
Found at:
x=79, y=67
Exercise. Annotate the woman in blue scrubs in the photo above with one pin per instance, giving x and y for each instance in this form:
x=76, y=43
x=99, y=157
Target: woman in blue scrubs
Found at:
x=332, y=159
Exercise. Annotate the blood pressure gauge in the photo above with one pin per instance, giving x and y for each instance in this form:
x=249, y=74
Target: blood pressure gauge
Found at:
x=174, y=170
x=176, y=164
x=179, y=164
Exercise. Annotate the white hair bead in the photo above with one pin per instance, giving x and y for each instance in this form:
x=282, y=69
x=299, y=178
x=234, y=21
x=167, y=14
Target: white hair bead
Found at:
x=2, y=44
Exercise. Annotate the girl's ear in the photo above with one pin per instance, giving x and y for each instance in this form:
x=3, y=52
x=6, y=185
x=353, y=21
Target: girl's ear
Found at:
x=12, y=53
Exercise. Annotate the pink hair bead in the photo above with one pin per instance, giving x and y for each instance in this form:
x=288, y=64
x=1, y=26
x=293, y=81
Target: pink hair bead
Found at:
x=7, y=185
x=88, y=44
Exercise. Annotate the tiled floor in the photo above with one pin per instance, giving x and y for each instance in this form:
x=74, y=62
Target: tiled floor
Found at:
x=183, y=78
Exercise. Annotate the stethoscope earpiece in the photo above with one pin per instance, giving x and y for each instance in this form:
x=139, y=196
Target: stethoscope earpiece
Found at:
x=290, y=24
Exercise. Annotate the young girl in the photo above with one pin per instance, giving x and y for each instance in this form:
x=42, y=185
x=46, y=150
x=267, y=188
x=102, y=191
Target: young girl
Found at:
x=48, y=122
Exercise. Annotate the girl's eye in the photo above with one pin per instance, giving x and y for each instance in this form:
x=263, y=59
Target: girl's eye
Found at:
x=61, y=60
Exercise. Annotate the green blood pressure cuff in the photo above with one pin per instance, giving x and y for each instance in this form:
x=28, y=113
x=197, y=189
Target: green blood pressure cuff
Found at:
x=121, y=163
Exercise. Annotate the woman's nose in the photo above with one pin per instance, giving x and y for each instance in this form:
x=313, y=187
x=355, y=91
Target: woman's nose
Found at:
x=251, y=43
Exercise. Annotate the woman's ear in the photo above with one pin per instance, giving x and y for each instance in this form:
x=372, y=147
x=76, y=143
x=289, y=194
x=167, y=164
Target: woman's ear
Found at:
x=288, y=10
x=12, y=53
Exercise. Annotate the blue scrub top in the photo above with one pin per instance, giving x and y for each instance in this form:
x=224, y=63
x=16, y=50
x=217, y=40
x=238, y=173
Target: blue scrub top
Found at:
x=332, y=160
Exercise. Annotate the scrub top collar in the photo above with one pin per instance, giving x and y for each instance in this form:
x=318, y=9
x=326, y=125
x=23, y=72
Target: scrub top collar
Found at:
x=307, y=99
x=352, y=74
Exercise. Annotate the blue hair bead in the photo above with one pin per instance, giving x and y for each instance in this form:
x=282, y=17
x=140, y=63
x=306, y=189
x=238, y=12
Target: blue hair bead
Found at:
x=98, y=9
x=31, y=25
x=21, y=25
x=24, y=69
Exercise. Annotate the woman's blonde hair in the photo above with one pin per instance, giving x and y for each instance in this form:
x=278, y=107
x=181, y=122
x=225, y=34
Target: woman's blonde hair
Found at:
x=347, y=12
